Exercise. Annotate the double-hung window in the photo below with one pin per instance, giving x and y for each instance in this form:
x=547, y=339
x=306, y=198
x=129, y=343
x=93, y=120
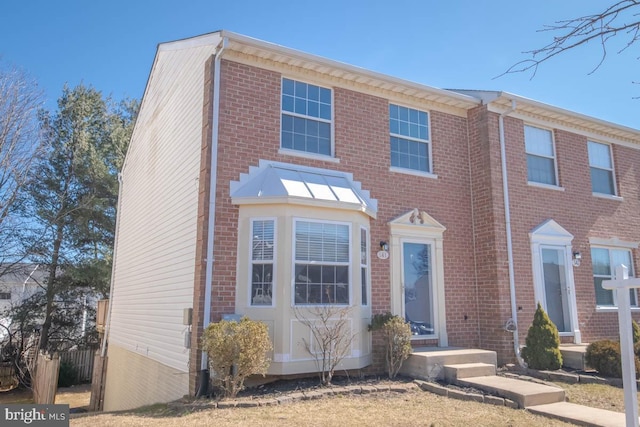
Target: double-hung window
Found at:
x=410, y=144
x=364, y=264
x=306, y=118
x=605, y=261
x=321, y=263
x=541, y=157
x=262, y=261
x=601, y=165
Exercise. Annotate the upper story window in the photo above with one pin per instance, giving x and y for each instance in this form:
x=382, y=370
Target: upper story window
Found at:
x=601, y=165
x=541, y=156
x=321, y=258
x=306, y=118
x=605, y=261
x=262, y=261
x=5, y=295
x=410, y=144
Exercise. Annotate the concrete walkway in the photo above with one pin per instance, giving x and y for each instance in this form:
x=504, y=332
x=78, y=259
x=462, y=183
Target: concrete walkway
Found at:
x=469, y=368
x=580, y=415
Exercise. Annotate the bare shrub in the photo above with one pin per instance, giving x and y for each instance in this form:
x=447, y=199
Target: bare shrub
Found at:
x=236, y=350
x=331, y=337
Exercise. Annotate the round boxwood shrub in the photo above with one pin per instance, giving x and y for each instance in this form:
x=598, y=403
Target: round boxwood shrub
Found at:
x=604, y=357
x=67, y=375
x=542, y=349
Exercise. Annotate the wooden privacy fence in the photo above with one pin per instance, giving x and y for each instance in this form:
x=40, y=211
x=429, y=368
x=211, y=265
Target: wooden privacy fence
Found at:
x=45, y=380
x=82, y=360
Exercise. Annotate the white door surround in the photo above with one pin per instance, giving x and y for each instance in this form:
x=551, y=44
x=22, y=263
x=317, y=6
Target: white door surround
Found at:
x=551, y=255
x=417, y=228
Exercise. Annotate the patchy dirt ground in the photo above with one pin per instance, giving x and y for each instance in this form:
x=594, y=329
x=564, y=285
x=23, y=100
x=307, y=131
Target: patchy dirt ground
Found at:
x=77, y=397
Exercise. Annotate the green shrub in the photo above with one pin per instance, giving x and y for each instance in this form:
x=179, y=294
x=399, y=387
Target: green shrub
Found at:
x=542, y=349
x=397, y=340
x=604, y=357
x=636, y=331
x=236, y=350
x=67, y=375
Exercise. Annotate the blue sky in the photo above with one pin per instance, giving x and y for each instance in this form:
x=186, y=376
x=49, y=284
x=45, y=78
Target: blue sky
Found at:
x=459, y=44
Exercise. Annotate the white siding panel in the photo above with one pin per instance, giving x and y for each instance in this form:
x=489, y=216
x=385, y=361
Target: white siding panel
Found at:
x=155, y=261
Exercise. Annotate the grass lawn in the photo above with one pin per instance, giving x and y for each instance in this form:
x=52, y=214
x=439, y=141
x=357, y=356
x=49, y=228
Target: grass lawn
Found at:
x=415, y=408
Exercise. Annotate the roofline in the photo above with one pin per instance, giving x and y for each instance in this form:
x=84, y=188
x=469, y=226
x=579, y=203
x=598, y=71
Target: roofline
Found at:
x=261, y=44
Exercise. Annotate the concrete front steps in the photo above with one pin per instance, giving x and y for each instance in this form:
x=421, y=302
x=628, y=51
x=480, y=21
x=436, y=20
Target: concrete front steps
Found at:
x=573, y=356
x=477, y=369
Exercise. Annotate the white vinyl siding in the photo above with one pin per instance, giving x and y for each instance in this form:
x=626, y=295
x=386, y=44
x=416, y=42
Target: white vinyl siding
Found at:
x=156, y=247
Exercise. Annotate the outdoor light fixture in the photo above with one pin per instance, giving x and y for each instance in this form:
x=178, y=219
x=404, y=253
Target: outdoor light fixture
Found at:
x=384, y=246
x=577, y=256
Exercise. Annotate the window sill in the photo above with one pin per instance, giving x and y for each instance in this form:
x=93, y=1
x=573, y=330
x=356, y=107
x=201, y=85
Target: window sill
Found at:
x=607, y=196
x=612, y=309
x=413, y=172
x=295, y=153
x=547, y=186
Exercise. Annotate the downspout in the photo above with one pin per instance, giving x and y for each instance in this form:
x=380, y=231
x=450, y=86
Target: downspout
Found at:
x=103, y=349
x=512, y=324
x=204, y=364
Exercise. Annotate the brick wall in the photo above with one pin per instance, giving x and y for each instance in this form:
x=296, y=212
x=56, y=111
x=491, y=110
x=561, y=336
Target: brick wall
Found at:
x=467, y=198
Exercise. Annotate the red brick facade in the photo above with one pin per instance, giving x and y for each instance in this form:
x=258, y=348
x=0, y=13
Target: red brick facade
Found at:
x=466, y=197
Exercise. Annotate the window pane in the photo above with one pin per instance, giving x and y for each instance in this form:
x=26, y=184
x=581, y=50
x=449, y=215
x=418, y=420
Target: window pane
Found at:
x=364, y=285
x=538, y=141
x=600, y=261
x=620, y=257
x=603, y=296
x=602, y=181
x=262, y=245
x=540, y=169
x=287, y=87
x=408, y=122
x=599, y=155
x=261, y=284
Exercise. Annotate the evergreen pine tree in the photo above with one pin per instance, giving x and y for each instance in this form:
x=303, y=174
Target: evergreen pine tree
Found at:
x=543, y=343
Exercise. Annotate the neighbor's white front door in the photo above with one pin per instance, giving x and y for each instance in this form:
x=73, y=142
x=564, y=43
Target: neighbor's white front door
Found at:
x=556, y=289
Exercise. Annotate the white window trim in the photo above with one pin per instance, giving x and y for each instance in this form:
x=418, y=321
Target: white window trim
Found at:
x=294, y=223
x=615, y=195
x=367, y=266
x=274, y=261
x=552, y=235
x=427, y=141
x=555, y=160
x=614, y=307
x=298, y=153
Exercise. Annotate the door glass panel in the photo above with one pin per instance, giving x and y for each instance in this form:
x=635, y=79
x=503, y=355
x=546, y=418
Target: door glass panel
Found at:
x=418, y=288
x=555, y=288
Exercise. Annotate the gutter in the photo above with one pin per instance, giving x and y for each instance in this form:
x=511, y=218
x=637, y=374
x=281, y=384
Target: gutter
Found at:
x=212, y=195
x=103, y=346
x=512, y=324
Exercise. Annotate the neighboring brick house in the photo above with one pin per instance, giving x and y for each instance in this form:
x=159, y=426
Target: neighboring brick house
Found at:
x=262, y=181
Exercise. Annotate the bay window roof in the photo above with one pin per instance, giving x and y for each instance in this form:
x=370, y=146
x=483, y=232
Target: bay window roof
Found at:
x=274, y=182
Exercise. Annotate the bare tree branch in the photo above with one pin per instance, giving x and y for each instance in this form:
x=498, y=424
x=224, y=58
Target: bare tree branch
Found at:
x=620, y=19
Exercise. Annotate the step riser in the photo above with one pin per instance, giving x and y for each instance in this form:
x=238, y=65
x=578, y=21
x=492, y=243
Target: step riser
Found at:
x=540, y=395
x=453, y=373
x=429, y=365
